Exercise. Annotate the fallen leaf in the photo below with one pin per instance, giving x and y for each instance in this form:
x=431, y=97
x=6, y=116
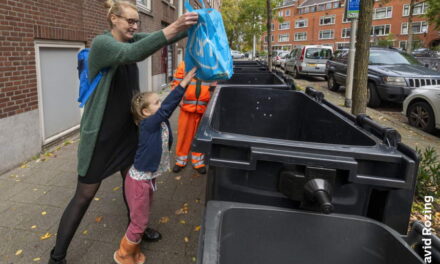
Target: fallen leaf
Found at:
x=18, y=180
x=197, y=228
x=181, y=211
x=97, y=199
x=68, y=142
x=185, y=205
x=18, y=252
x=24, y=166
x=35, y=189
x=116, y=188
x=36, y=259
x=197, y=200
x=182, y=222
x=85, y=232
x=34, y=226
x=164, y=220
x=46, y=236
x=44, y=213
x=114, y=199
x=178, y=178
x=98, y=219
x=186, y=239
x=194, y=259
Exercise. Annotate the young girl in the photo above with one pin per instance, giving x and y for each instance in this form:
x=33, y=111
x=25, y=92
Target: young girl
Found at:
x=152, y=160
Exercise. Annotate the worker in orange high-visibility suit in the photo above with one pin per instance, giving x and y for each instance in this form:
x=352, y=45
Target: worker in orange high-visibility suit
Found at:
x=192, y=107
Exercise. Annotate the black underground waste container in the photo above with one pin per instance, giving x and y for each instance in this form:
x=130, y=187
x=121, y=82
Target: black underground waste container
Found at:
x=235, y=233
x=257, y=80
x=238, y=69
x=296, y=150
x=247, y=63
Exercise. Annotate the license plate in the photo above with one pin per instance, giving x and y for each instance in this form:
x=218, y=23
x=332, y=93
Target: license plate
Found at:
x=312, y=65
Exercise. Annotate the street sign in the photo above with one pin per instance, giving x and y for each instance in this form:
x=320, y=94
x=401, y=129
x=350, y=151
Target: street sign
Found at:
x=352, y=8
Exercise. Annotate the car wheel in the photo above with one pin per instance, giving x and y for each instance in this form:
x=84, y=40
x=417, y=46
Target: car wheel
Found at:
x=420, y=115
x=296, y=74
x=373, y=99
x=331, y=83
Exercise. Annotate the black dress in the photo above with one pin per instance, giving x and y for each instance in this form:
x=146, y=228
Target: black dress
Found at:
x=118, y=136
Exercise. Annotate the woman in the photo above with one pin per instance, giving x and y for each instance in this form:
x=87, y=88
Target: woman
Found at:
x=108, y=138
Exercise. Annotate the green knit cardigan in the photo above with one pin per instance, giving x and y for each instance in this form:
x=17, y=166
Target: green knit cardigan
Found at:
x=106, y=52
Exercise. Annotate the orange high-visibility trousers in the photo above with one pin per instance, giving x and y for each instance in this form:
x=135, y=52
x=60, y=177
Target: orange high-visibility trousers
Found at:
x=187, y=128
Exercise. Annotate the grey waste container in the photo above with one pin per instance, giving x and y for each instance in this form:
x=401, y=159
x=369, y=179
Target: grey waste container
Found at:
x=296, y=150
x=235, y=233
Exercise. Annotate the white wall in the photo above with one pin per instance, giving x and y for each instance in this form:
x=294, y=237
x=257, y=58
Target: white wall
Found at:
x=20, y=139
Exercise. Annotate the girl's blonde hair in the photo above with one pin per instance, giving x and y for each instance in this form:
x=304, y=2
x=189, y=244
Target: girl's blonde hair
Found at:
x=115, y=7
x=140, y=101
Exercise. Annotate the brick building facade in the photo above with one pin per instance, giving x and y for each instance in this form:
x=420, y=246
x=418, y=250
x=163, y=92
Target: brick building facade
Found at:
x=322, y=22
x=38, y=77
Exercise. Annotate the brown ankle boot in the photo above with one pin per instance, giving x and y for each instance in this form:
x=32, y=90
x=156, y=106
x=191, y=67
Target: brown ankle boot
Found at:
x=128, y=253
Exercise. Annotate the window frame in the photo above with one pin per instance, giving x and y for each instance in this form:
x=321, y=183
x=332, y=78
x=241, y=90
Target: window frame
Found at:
x=283, y=36
x=345, y=30
x=416, y=22
x=142, y=7
x=306, y=24
x=322, y=18
x=388, y=14
x=302, y=33
x=381, y=35
x=330, y=30
x=284, y=23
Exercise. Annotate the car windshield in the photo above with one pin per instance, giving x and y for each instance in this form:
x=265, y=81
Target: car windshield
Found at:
x=318, y=53
x=382, y=57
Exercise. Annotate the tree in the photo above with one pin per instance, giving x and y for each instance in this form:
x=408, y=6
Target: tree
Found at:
x=231, y=15
x=409, y=46
x=269, y=33
x=433, y=13
x=360, y=78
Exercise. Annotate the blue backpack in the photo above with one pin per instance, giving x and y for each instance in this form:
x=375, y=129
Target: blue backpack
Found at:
x=86, y=87
x=207, y=46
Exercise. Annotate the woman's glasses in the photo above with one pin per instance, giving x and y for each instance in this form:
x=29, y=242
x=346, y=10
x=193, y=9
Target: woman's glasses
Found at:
x=131, y=21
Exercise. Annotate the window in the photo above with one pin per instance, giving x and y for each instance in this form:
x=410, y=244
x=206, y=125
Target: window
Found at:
x=335, y=4
x=285, y=25
x=272, y=38
x=381, y=30
x=342, y=45
x=301, y=23
x=328, y=6
x=419, y=9
x=272, y=27
x=418, y=27
x=346, y=32
x=280, y=13
x=321, y=7
x=326, y=34
x=288, y=12
x=144, y=5
x=327, y=20
x=307, y=10
x=300, y=36
x=383, y=12
x=283, y=37
x=318, y=53
x=402, y=44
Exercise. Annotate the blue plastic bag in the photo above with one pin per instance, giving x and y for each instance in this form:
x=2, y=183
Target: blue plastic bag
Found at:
x=207, y=46
x=86, y=86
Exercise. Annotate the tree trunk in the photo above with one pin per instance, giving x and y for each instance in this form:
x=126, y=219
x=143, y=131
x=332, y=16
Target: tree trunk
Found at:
x=409, y=46
x=269, y=34
x=360, y=78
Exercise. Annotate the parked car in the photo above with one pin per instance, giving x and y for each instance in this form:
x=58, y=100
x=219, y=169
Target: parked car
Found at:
x=236, y=54
x=422, y=107
x=392, y=75
x=308, y=60
x=280, y=58
x=424, y=52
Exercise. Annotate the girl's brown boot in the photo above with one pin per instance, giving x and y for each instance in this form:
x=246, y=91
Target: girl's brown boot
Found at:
x=128, y=253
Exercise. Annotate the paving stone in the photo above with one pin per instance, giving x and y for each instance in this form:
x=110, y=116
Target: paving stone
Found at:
x=30, y=193
x=57, y=197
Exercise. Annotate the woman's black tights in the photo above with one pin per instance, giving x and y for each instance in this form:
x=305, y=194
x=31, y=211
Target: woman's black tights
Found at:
x=74, y=213
x=72, y=217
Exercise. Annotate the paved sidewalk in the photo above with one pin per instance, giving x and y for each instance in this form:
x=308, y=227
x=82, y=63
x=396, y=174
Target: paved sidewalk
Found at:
x=33, y=197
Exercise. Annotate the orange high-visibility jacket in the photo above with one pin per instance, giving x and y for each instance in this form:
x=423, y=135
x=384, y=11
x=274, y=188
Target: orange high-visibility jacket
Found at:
x=197, y=93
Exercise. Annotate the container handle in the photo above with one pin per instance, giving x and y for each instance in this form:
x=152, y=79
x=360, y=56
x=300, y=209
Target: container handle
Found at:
x=316, y=95
x=389, y=136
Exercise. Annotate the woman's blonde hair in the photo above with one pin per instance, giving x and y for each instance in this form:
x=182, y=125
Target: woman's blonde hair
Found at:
x=138, y=103
x=115, y=7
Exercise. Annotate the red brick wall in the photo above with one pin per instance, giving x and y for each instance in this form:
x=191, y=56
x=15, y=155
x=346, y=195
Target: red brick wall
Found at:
x=22, y=22
x=313, y=25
